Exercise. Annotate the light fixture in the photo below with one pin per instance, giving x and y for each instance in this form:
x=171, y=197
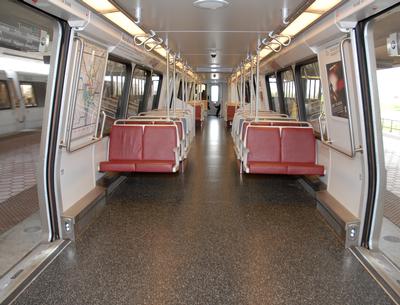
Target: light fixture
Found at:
x=300, y=23
x=125, y=23
x=101, y=6
x=322, y=6
x=211, y=4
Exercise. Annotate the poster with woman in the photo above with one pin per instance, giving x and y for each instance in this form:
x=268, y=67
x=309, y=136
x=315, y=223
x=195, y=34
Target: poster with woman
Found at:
x=337, y=89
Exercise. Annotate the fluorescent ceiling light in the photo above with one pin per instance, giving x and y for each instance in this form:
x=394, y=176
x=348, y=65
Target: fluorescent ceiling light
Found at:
x=101, y=6
x=322, y=6
x=125, y=23
x=300, y=23
x=210, y=4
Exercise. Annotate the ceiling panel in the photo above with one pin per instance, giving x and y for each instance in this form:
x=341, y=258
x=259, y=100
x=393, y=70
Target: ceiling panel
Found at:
x=195, y=32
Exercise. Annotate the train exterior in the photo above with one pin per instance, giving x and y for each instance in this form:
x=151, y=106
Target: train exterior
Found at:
x=199, y=152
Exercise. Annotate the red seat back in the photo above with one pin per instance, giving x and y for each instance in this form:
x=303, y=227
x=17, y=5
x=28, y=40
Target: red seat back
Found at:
x=125, y=143
x=230, y=112
x=263, y=144
x=159, y=143
x=198, y=112
x=298, y=145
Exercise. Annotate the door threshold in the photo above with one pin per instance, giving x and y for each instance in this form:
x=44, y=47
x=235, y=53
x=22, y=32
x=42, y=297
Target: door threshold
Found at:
x=29, y=268
x=381, y=269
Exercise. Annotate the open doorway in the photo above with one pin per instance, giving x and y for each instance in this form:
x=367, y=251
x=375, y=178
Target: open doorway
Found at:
x=215, y=103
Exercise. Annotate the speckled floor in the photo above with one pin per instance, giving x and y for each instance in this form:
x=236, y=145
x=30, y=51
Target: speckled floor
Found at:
x=207, y=237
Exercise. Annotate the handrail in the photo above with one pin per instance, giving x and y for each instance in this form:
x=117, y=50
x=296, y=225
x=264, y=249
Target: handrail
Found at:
x=74, y=91
x=103, y=123
x=121, y=121
x=308, y=124
x=353, y=148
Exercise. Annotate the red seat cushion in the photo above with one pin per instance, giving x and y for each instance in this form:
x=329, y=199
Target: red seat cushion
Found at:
x=117, y=166
x=267, y=168
x=298, y=145
x=263, y=144
x=125, y=143
x=305, y=169
x=159, y=143
x=155, y=166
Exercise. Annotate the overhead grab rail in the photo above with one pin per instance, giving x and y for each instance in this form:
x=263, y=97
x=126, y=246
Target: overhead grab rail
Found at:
x=149, y=41
x=329, y=143
x=276, y=37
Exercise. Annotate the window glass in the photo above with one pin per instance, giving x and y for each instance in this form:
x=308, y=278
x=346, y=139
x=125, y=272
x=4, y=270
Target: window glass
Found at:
x=273, y=87
x=5, y=102
x=114, y=83
x=155, y=86
x=214, y=93
x=136, y=96
x=247, y=92
x=28, y=94
x=312, y=93
x=289, y=94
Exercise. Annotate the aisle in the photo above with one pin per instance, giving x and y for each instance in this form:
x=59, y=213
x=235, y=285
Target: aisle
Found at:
x=206, y=237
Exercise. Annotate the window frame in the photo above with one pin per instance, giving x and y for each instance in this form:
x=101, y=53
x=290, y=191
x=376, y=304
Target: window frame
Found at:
x=156, y=99
x=146, y=88
x=33, y=92
x=6, y=83
x=120, y=114
x=299, y=90
x=269, y=93
x=281, y=93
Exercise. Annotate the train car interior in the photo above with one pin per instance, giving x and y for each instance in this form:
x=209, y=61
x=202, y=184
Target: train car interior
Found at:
x=200, y=152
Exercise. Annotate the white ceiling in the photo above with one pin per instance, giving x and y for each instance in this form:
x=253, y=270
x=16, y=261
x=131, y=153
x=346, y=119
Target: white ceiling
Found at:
x=194, y=32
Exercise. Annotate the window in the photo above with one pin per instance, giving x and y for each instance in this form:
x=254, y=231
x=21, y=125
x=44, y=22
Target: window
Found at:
x=247, y=92
x=5, y=102
x=273, y=92
x=289, y=94
x=28, y=94
x=214, y=93
x=155, y=91
x=114, y=83
x=136, y=96
x=312, y=93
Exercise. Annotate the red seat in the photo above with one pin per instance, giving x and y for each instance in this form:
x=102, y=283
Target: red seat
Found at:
x=230, y=112
x=117, y=166
x=198, y=112
x=298, y=150
x=142, y=148
x=291, y=153
x=264, y=156
x=155, y=166
x=159, y=149
x=263, y=144
x=124, y=149
x=267, y=168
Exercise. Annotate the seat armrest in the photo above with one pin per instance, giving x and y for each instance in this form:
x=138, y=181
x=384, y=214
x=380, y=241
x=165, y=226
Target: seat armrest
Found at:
x=245, y=153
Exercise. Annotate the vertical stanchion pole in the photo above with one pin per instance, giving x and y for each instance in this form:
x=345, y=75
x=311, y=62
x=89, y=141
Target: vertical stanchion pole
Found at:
x=167, y=100
x=241, y=86
x=174, y=80
x=257, y=81
x=252, y=85
x=183, y=85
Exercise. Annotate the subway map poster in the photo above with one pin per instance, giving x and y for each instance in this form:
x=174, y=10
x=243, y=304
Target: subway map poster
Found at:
x=86, y=102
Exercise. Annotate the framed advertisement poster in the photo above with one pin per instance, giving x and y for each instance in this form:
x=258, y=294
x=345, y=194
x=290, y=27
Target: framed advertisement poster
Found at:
x=337, y=90
x=90, y=68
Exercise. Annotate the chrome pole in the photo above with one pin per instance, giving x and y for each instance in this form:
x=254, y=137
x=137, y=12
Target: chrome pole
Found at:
x=257, y=81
